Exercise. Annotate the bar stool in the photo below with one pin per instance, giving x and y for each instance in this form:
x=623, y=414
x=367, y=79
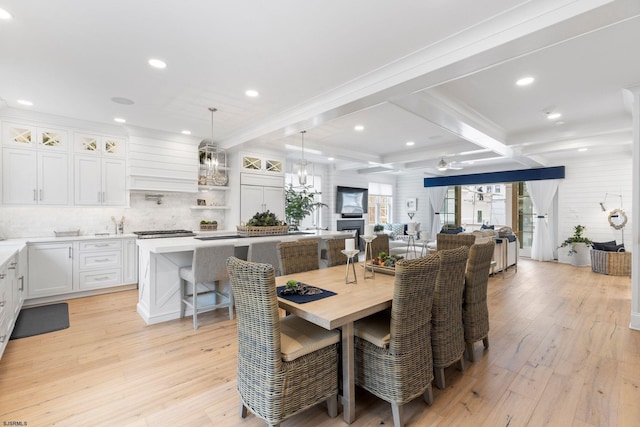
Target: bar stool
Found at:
x=265, y=253
x=205, y=273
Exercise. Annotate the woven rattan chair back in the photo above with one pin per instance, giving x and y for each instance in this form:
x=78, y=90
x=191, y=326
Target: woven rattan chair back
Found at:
x=270, y=388
x=447, y=333
x=295, y=257
x=403, y=370
x=453, y=241
x=334, y=252
x=380, y=244
x=475, y=313
x=265, y=253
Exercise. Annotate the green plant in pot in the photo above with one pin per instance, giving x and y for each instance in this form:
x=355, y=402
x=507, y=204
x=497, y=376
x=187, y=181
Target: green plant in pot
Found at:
x=299, y=203
x=576, y=238
x=378, y=228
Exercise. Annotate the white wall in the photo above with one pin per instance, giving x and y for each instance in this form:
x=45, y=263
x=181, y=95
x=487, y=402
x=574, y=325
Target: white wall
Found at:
x=584, y=187
x=412, y=186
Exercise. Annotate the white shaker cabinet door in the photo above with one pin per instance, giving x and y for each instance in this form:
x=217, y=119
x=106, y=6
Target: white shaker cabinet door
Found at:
x=274, y=201
x=251, y=201
x=19, y=177
x=50, y=269
x=114, y=187
x=87, y=181
x=53, y=178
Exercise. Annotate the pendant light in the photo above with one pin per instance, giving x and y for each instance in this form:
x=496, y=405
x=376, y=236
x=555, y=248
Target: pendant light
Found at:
x=215, y=160
x=302, y=164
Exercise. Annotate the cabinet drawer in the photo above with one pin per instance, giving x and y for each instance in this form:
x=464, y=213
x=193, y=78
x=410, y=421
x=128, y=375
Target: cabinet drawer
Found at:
x=100, y=245
x=93, y=260
x=99, y=278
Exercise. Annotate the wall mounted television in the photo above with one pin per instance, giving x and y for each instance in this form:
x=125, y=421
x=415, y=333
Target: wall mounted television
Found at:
x=352, y=202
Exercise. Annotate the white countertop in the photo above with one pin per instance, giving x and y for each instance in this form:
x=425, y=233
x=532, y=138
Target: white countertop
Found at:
x=49, y=239
x=182, y=244
x=6, y=253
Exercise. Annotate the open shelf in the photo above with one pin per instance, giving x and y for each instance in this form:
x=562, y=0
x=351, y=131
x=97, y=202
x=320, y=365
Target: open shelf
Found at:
x=212, y=188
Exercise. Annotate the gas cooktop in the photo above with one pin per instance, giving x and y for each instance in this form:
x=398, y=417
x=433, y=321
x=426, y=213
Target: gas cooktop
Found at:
x=157, y=234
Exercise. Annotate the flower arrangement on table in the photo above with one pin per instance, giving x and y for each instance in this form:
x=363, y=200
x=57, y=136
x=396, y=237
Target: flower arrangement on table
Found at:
x=385, y=260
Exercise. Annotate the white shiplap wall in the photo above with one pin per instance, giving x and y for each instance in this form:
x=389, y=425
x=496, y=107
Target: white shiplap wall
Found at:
x=584, y=187
x=412, y=186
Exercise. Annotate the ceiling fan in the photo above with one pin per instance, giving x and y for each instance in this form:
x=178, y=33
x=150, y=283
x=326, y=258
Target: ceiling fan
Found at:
x=444, y=166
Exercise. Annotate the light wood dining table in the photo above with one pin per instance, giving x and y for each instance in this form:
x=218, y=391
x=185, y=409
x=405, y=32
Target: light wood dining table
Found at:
x=352, y=301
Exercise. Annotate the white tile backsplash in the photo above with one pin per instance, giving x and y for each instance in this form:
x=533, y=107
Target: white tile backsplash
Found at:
x=174, y=212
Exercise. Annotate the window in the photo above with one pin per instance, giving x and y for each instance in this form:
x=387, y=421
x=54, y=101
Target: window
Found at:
x=313, y=221
x=380, y=203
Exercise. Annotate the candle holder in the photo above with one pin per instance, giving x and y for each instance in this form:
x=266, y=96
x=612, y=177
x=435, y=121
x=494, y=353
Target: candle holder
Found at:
x=368, y=252
x=350, y=254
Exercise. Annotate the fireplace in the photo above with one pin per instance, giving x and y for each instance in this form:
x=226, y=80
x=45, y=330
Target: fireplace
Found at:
x=356, y=225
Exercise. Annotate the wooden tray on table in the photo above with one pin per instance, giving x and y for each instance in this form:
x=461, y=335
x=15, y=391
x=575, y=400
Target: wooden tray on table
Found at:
x=381, y=268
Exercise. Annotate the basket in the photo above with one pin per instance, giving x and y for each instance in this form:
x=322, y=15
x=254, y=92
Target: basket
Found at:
x=252, y=231
x=208, y=227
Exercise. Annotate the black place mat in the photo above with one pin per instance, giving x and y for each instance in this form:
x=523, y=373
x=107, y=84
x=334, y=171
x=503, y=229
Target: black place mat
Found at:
x=301, y=299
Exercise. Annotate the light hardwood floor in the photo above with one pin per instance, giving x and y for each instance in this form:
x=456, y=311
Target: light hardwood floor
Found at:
x=561, y=354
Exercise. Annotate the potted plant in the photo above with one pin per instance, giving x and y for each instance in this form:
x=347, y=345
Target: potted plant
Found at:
x=378, y=228
x=299, y=203
x=579, y=246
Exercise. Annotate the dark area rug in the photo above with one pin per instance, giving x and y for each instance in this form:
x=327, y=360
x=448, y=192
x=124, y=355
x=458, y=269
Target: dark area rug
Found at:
x=41, y=320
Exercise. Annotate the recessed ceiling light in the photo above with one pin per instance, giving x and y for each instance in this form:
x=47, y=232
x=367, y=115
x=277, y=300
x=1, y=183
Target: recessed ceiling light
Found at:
x=525, y=81
x=157, y=63
x=331, y=159
x=559, y=122
x=186, y=132
x=122, y=101
x=554, y=116
x=583, y=149
x=25, y=102
x=252, y=93
x=4, y=14
x=119, y=120
x=359, y=128
x=409, y=143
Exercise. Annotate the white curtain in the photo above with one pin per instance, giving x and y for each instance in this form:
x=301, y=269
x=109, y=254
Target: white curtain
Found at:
x=542, y=193
x=436, y=198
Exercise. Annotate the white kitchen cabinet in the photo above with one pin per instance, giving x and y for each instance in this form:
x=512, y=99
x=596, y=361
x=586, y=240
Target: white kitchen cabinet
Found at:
x=129, y=261
x=21, y=280
x=32, y=177
x=50, y=269
x=34, y=137
x=259, y=193
x=99, y=264
x=7, y=281
x=99, y=181
x=99, y=145
x=262, y=164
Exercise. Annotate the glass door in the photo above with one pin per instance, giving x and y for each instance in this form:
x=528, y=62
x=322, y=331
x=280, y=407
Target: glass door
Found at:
x=525, y=219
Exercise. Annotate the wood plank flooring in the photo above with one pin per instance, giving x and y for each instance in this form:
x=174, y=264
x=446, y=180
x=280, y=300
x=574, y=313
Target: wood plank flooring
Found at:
x=561, y=355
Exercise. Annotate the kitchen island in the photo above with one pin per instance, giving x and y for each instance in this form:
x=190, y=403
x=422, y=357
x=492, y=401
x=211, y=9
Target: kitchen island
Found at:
x=159, y=261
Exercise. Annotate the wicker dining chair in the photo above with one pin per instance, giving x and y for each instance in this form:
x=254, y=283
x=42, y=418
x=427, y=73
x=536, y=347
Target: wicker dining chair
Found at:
x=452, y=241
x=334, y=252
x=284, y=365
x=298, y=256
x=393, y=357
x=447, y=332
x=475, y=313
x=265, y=253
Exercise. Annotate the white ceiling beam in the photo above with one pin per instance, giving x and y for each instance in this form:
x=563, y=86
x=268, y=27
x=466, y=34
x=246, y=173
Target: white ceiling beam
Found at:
x=452, y=57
